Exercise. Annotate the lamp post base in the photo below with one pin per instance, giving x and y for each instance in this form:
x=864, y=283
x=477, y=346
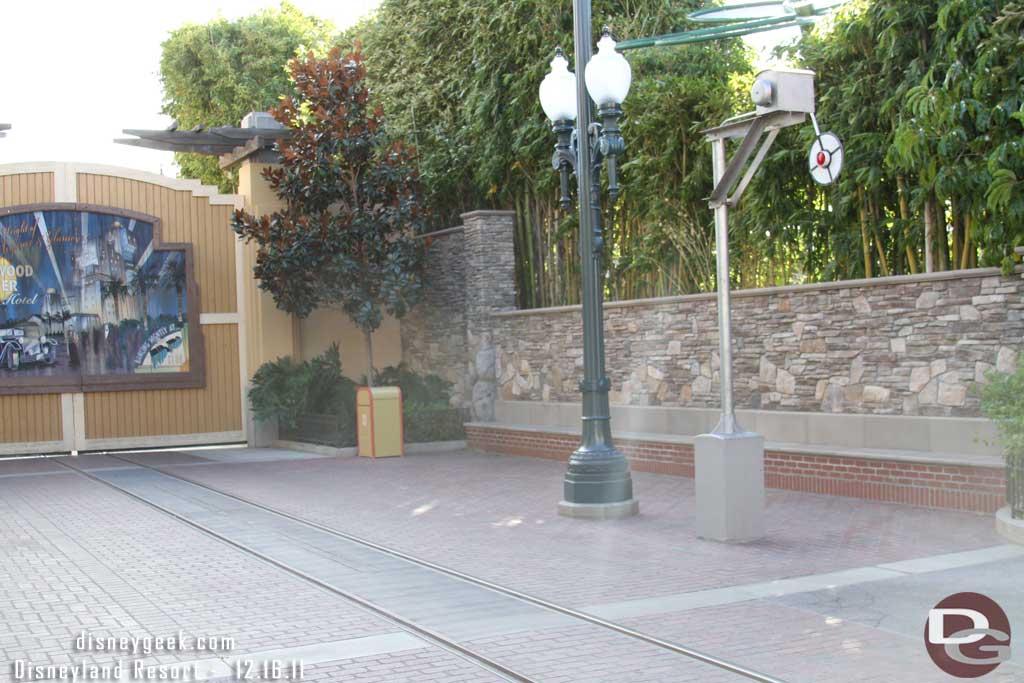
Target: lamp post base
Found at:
x=598, y=485
x=729, y=480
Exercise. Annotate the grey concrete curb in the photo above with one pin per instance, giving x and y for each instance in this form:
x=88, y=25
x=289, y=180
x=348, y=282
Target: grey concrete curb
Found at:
x=330, y=451
x=351, y=451
x=435, y=447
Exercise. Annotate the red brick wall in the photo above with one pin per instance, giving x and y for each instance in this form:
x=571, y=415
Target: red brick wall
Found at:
x=971, y=488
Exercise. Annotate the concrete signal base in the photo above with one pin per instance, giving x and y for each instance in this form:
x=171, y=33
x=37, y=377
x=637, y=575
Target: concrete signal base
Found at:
x=730, y=487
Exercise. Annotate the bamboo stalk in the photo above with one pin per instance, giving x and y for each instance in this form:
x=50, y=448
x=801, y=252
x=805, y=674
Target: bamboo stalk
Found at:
x=929, y=236
x=957, y=220
x=964, y=258
x=908, y=243
x=875, y=230
x=943, y=235
x=865, y=243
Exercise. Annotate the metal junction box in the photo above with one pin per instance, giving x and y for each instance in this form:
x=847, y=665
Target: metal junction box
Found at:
x=784, y=90
x=379, y=422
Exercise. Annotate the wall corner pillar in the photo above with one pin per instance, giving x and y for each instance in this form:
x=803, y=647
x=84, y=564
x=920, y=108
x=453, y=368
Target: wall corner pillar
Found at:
x=490, y=287
x=269, y=332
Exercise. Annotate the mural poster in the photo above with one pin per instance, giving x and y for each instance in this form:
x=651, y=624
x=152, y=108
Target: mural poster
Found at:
x=86, y=294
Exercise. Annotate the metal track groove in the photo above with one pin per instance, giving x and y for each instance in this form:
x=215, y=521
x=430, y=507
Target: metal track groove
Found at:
x=447, y=644
x=452, y=646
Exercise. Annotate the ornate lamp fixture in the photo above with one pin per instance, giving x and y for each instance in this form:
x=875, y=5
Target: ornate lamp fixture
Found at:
x=597, y=481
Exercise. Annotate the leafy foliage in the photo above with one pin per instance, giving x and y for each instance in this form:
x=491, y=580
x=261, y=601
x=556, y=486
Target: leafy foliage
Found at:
x=422, y=390
x=285, y=389
x=1002, y=400
x=926, y=96
x=347, y=235
x=468, y=99
x=213, y=74
x=423, y=424
x=296, y=394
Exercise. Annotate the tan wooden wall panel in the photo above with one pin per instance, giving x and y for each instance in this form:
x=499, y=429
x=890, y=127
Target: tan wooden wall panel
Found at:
x=26, y=188
x=214, y=408
x=185, y=219
x=35, y=417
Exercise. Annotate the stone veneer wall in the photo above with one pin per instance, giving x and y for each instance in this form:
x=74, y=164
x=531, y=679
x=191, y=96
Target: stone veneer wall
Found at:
x=469, y=276
x=910, y=345
x=434, y=331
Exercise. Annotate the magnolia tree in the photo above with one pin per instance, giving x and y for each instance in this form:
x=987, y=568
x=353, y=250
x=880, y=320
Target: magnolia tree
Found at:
x=347, y=236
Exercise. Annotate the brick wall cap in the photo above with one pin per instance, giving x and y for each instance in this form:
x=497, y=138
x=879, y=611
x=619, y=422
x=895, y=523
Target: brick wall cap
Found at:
x=788, y=289
x=484, y=213
x=442, y=233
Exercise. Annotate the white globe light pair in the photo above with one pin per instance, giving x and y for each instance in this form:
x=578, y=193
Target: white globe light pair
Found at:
x=607, y=75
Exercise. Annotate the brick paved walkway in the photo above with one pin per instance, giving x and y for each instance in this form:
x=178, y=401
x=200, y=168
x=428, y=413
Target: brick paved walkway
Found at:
x=495, y=516
x=79, y=555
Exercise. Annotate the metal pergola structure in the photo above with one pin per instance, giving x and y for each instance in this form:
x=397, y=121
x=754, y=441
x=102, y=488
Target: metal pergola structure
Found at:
x=228, y=142
x=740, y=19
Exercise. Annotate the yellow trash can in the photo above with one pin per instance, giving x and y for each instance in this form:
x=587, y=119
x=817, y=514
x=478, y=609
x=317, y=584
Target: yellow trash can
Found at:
x=379, y=422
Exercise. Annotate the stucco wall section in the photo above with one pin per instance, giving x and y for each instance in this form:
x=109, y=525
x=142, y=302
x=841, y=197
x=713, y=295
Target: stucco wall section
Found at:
x=326, y=326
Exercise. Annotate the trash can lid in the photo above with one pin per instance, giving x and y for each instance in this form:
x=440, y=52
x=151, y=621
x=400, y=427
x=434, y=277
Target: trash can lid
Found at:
x=367, y=394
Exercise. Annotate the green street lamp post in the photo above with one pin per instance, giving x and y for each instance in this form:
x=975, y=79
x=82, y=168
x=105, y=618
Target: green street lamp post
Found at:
x=597, y=481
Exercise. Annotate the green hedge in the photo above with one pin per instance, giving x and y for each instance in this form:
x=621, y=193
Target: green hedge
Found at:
x=314, y=402
x=424, y=424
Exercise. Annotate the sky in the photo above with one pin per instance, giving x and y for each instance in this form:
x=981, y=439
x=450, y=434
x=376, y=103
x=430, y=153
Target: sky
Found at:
x=75, y=73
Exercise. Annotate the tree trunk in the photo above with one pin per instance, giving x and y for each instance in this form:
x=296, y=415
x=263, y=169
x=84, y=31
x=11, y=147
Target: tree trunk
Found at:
x=368, y=338
x=929, y=236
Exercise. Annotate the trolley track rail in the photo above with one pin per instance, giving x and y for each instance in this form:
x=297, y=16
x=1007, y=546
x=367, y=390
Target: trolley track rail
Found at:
x=431, y=636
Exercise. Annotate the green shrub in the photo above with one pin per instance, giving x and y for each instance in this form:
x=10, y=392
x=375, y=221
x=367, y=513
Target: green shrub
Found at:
x=417, y=390
x=279, y=392
x=1002, y=400
x=423, y=424
x=313, y=401
x=285, y=389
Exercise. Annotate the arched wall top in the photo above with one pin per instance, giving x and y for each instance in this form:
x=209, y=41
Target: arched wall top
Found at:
x=65, y=172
